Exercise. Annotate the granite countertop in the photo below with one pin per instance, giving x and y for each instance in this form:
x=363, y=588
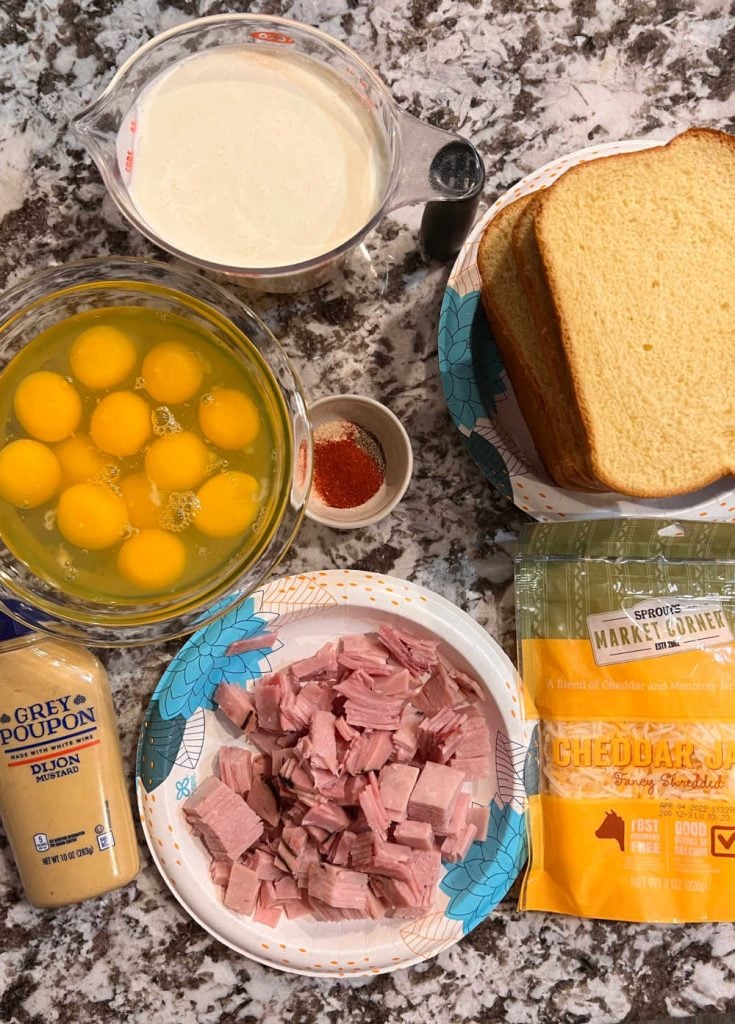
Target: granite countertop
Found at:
x=527, y=80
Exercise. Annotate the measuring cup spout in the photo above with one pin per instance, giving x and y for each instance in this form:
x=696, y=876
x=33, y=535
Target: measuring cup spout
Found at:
x=97, y=136
x=444, y=171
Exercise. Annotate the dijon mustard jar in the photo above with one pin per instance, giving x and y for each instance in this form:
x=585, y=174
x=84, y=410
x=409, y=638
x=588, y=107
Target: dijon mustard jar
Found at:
x=63, y=797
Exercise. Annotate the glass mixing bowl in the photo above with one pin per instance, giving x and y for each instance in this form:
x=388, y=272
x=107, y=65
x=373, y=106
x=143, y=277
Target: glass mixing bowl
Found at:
x=35, y=305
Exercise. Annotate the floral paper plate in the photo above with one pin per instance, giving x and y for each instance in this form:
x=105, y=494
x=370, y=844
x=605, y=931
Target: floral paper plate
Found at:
x=182, y=733
x=484, y=409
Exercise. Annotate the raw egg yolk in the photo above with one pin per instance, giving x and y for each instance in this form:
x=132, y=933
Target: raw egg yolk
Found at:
x=121, y=423
x=228, y=418
x=152, y=559
x=177, y=462
x=101, y=357
x=91, y=516
x=172, y=372
x=80, y=460
x=227, y=504
x=30, y=473
x=140, y=496
x=47, y=406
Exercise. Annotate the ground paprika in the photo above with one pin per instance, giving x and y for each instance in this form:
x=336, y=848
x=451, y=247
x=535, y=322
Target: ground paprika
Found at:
x=349, y=464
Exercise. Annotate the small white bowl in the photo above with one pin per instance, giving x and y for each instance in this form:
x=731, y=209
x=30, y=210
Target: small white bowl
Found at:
x=388, y=430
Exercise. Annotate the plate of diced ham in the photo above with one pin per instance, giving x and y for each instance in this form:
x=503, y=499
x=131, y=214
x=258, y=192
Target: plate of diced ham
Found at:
x=330, y=777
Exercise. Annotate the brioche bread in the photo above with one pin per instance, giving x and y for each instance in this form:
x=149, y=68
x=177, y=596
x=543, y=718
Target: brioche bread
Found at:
x=512, y=325
x=534, y=380
x=561, y=397
x=638, y=252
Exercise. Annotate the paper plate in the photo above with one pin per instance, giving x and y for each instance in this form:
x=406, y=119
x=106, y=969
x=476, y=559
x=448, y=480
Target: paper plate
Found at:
x=182, y=733
x=484, y=409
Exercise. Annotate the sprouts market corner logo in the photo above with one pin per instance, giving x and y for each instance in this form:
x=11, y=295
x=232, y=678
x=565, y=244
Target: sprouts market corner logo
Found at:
x=652, y=628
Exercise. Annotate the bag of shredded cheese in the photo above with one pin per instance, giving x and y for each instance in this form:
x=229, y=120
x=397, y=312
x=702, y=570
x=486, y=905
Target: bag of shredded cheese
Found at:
x=626, y=635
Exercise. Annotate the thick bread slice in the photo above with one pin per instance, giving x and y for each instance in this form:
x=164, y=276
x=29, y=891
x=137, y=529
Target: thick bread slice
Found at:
x=515, y=334
x=639, y=255
x=530, y=267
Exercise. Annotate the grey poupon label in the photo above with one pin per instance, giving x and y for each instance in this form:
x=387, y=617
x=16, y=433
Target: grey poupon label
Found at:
x=656, y=627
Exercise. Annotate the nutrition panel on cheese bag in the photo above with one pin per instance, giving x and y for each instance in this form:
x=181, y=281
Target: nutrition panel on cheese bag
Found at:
x=251, y=159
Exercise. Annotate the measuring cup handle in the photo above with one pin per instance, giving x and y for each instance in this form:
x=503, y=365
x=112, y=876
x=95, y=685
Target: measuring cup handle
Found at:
x=446, y=172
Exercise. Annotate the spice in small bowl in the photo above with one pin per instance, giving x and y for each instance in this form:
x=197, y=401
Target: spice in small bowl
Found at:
x=362, y=462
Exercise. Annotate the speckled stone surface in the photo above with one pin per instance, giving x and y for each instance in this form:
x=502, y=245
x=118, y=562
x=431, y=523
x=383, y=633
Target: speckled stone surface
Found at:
x=528, y=81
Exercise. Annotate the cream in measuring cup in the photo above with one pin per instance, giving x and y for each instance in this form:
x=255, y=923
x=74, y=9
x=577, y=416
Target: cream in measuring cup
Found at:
x=266, y=150
x=240, y=157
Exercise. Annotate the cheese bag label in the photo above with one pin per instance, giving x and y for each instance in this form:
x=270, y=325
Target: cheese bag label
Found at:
x=626, y=633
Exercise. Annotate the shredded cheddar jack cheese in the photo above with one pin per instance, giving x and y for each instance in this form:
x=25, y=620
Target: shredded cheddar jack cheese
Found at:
x=627, y=652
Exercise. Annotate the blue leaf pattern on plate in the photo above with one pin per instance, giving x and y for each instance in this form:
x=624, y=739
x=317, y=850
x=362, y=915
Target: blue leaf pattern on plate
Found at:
x=490, y=461
x=455, y=358
x=158, y=746
x=473, y=377
x=203, y=663
x=478, y=883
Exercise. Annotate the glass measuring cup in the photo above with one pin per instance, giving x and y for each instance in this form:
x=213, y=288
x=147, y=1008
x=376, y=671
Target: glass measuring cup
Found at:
x=424, y=164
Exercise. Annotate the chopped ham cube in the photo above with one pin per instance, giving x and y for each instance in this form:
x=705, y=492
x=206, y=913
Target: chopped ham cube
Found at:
x=310, y=857
x=459, y=816
x=235, y=703
x=470, y=739
x=259, y=642
x=405, y=738
x=285, y=889
x=435, y=795
x=263, y=864
x=297, y=908
x=268, y=896
x=427, y=869
x=480, y=817
x=397, y=682
x=323, y=741
x=242, y=889
x=373, y=808
x=368, y=751
x=219, y=871
x=416, y=834
x=322, y=664
x=365, y=646
x=319, y=835
x=338, y=887
x=411, y=651
x=456, y=848
x=345, y=729
x=267, y=915
x=291, y=848
x=321, y=911
x=340, y=851
x=224, y=821
x=328, y=816
x=236, y=769
x=470, y=686
x=367, y=709
x=471, y=767
x=262, y=800
x=400, y=895
x=437, y=692
x=268, y=703
x=396, y=785
x=266, y=742
x=374, y=668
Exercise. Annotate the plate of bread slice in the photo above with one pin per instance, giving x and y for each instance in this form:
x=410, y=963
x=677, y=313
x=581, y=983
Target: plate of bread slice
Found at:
x=587, y=333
